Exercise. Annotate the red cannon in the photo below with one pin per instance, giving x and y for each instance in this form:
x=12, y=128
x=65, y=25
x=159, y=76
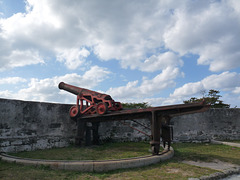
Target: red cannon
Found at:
x=90, y=102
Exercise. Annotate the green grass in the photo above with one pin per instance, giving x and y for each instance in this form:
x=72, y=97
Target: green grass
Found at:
x=171, y=169
x=207, y=152
x=104, y=152
x=166, y=170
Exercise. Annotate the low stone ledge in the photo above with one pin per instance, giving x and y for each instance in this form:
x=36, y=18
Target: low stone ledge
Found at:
x=93, y=166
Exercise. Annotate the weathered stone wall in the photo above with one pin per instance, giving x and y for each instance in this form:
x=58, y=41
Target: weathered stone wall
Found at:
x=117, y=131
x=34, y=125
x=222, y=124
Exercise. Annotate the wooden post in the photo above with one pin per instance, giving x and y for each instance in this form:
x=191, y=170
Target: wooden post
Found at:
x=155, y=129
x=167, y=132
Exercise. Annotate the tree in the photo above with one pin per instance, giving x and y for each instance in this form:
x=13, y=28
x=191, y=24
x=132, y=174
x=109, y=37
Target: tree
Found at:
x=142, y=105
x=211, y=99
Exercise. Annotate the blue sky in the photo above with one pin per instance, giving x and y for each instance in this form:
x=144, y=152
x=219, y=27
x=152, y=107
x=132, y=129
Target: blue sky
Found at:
x=160, y=52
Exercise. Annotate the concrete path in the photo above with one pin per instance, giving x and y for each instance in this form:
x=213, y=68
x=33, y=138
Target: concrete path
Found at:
x=226, y=143
x=226, y=169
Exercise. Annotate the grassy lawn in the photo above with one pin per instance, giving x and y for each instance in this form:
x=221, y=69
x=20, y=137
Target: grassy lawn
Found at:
x=207, y=152
x=104, y=152
x=171, y=169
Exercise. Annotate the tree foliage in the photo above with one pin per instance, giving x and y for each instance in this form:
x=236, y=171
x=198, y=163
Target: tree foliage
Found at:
x=212, y=99
x=142, y=105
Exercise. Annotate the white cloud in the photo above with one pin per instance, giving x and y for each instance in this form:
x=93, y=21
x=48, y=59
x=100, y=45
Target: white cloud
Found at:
x=126, y=31
x=210, y=30
x=236, y=90
x=188, y=89
x=47, y=89
x=94, y=76
x=148, y=87
x=148, y=36
x=6, y=94
x=12, y=80
x=73, y=58
x=160, y=62
x=18, y=58
x=226, y=81
x=129, y=90
x=155, y=101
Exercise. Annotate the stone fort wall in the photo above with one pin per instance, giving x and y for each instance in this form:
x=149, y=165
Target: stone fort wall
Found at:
x=26, y=126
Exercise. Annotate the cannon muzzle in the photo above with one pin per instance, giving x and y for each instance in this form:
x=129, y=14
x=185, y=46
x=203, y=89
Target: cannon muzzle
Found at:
x=61, y=85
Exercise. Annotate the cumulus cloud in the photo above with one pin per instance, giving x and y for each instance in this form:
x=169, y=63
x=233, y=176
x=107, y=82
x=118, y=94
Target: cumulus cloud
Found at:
x=12, y=80
x=73, y=58
x=227, y=83
x=236, y=90
x=17, y=58
x=224, y=81
x=150, y=36
x=6, y=94
x=47, y=89
x=117, y=30
x=210, y=30
x=162, y=101
x=126, y=31
x=160, y=62
x=148, y=86
x=188, y=89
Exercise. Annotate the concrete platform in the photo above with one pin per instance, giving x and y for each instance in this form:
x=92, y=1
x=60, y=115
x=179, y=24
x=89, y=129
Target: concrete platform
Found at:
x=93, y=166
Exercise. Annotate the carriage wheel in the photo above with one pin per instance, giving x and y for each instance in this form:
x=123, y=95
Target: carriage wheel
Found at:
x=74, y=112
x=118, y=105
x=102, y=108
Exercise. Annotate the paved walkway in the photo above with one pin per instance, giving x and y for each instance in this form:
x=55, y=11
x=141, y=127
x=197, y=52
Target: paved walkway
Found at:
x=226, y=169
x=226, y=143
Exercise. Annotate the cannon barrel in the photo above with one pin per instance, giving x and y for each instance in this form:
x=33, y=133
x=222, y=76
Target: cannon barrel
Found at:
x=77, y=91
x=89, y=102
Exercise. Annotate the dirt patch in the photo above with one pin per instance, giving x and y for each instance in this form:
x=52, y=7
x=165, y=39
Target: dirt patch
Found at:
x=176, y=171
